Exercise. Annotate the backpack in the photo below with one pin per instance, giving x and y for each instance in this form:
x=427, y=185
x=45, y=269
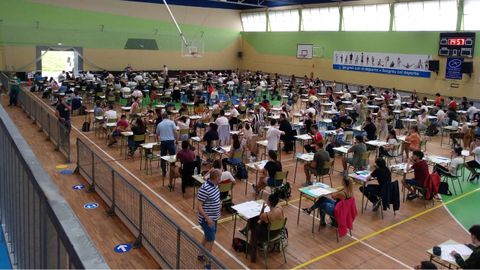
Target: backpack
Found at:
x=285, y=191
x=242, y=172
x=239, y=245
x=86, y=126
x=444, y=189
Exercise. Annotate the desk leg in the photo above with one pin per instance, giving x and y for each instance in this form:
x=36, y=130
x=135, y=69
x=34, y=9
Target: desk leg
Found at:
x=194, y=195
x=295, y=175
x=313, y=219
x=441, y=137
x=141, y=158
x=234, y=225
x=299, y=207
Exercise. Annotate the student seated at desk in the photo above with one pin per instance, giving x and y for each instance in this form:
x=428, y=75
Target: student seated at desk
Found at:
x=210, y=136
x=316, y=167
x=269, y=170
x=451, y=170
x=327, y=205
x=138, y=128
x=122, y=126
x=316, y=138
x=226, y=176
x=259, y=225
x=412, y=141
x=357, y=149
x=383, y=176
x=389, y=149
x=474, y=165
x=98, y=110
x=420, y=172
x=370, y=128
x=473, y=262
x=235, y=148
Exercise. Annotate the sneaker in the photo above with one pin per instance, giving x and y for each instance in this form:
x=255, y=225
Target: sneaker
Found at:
x=307, y=210
x=411, y=196
x=323, y=223
x=256, y=189
x=201, y=258
x=376, y=206
x=208, y=266
x=473, y=177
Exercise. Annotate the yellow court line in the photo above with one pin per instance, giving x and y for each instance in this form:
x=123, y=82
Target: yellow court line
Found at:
x=381, y=231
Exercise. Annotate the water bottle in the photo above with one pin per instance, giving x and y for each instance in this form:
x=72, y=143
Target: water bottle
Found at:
x=195, y=171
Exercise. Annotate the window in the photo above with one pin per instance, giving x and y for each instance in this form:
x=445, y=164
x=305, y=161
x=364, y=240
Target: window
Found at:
x=438, y=15
x=471, y=15
x=254, y=22
x=366, y=18
x=320, y=19
x=284, y=20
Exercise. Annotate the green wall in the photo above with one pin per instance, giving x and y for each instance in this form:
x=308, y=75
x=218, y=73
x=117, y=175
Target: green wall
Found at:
x=91, y=29
x=285, y=43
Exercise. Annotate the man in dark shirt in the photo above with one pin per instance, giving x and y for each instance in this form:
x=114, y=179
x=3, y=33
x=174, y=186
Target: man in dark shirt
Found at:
x=343, y=121
x=63, y=112
x=473, y=261
x=370, y=128
x=383, y=176
x=317, y=166
x=287, y=137
x=420, y=171
x=211, y=135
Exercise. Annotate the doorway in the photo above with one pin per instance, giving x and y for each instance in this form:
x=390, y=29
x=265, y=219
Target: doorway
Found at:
x=52, y=61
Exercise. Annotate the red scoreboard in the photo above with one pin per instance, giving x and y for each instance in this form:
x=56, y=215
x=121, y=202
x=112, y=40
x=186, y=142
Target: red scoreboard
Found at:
x=457, y=44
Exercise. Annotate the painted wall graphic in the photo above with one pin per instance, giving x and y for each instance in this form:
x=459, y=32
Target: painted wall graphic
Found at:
x=384, y=63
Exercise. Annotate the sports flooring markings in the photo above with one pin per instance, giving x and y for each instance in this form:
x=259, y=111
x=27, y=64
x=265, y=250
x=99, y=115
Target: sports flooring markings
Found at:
x=303, y=265
x=150, y=189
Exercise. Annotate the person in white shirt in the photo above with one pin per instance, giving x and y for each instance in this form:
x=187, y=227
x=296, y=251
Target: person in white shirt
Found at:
x=111, y=113
x=137, y=93
x=165, y=71
x=125, y=92
x=471, y=111
x=346, y=95
x=451, y=170
x=233, y=117
x=440, y=116
x=138, y=78
x=310, y=109
x=397, y=102
x=312, y=98
x=222, y=120
x=422, y=120
x=273, y=136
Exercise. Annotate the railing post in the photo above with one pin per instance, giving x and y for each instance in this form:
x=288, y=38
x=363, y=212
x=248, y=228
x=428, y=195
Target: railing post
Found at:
x=138, y=241
x=91, y=188
x=77, y=168
x=178, y=247
x=48, y=126
x=111, y=210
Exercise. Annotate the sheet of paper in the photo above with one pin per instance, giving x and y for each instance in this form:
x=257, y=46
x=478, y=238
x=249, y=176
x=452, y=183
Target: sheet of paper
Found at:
x=249, y=209
x=463, y=250
x=319, y=191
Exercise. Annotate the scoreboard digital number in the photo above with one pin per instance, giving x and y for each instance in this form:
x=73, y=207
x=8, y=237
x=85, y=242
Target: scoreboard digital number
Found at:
x=457, y=44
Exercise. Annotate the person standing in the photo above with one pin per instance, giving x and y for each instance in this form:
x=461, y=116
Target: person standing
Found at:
x=63, y=112
x=209, y=209
x=13, y=94
x=166, y=134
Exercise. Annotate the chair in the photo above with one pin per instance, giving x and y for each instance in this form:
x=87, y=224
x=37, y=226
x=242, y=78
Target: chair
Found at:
x=279, y=180
x=152, y=156
x=396, y=154
x=137, y=140
x=327, y=165
x=214, y=144
x=273, y=226
x=364, y=161
x=348, y=136
x=186, y=172
x=109, y=126
x=383, y=193
x=423, y=144
x=422, y=191
x=457, y=177
x=237, y=155
x=350, y=209
x=227, y=187
x=184, y=134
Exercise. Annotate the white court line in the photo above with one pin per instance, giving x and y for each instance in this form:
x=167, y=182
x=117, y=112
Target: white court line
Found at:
x=150, y=189
x=453, y=217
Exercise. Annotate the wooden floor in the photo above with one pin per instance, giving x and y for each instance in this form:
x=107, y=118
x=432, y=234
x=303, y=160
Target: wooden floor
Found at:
x=398, y=241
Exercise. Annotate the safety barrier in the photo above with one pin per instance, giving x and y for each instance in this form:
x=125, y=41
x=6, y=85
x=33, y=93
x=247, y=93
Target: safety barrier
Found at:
x=155, y=230
x=57, y=132
x=41, y=230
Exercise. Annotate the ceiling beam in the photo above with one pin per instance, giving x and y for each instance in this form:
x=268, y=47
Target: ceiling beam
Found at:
x=239, y=2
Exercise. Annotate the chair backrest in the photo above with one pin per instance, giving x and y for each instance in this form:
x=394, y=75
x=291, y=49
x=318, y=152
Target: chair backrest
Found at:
x=156, y=148
x=139, y=138
x=111, y=120
x=225, y=187
x=185, y=131
x=238, y=153
x=111, y=98
x=348, y=136
x=281, y=175
x=275, y=225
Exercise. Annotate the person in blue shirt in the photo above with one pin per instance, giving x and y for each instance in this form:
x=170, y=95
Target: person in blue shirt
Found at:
x=166, y=134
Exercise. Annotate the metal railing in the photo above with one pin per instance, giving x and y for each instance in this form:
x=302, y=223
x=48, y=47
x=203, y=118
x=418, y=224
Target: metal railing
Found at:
x=40, y=228
x=58, y=134
x=169, y=244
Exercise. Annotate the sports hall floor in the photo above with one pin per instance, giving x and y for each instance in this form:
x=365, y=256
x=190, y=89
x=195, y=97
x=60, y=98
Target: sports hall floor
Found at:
x=398, y=241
